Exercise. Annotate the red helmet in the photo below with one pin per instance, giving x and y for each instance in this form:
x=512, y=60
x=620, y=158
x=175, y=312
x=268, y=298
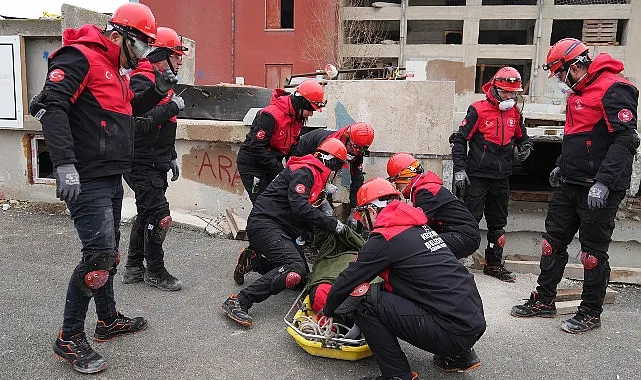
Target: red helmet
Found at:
x=313, y=92
x=361, y=134
x=168, y=38
x=135, y=16
x=562, y=53
x=508, y=79
x=374, y=189
x=334, y=147
x=402, y=167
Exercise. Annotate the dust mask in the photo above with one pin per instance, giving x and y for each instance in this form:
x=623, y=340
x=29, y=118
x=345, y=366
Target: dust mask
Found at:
x=506, y=104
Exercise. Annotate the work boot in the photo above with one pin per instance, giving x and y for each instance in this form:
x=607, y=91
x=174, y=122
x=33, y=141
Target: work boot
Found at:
x=582, y=322
x=499, y=272
x=381, y=377
x=458, y=363
x=133, y=275
x=534, y=308
x=237, y=312
x=247, y=262
x=120, y=326
x=79, y=353
x=163, y=280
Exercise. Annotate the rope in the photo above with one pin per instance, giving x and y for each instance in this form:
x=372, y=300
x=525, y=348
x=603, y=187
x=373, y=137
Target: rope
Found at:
x=325, y=327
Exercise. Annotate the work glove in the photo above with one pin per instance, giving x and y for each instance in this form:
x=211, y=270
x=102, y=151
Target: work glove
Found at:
x=175, y=170
x=353, y=333
x=461, y=181
x=327, y=208
x=598, y=196
x=142, y=124
x=180, y=102
x=555, y=177
x=165, y=81
x=67, y=182
x=524, y=152
x=340, y=228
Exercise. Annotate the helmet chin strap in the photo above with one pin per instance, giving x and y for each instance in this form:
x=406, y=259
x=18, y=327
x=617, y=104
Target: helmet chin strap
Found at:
x=133, y=64
x=171, y=67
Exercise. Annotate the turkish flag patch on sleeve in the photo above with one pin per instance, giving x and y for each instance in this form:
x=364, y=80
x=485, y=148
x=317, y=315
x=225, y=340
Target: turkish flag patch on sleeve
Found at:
x=260, y=134
x=625, y=115
x=56, y=75
x=300, y=188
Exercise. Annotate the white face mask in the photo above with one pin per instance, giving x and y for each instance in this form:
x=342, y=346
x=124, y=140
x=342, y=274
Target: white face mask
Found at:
x=565, y=89
x=506, y=104
x=350, y=157
x=330, y=188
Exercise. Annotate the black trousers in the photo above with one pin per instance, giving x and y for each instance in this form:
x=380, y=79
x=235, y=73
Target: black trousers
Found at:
x=385, y=318
x=96, y=216
x=490, y=197
x=279, y=255
x=568, y=213
x=149, y=183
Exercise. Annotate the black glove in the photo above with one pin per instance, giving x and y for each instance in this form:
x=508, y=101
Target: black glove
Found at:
x=598, y=196
x=555, y=177
x=175, y=170
x=67, y=182
x=461, y=180
x=524, y=153
x=142, y=124
x=36, y=105
x=165, y=81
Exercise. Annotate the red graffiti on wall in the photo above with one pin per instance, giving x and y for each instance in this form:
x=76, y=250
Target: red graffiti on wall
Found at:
x=223, y=164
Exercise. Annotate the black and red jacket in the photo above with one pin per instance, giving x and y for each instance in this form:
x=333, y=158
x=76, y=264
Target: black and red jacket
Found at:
x=273, y=132
x=444, y=211
x=159, y=144
x=600, y=138
x=310, y=141
x=88, y=105
x=415, y=264
x=492, y=134
x=287, y=201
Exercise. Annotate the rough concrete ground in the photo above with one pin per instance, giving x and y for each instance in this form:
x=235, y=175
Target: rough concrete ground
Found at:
x=189, y=337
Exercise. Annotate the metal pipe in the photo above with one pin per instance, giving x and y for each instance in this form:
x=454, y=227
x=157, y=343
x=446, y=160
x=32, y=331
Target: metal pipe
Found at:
x=403, y=33
x=536, y=55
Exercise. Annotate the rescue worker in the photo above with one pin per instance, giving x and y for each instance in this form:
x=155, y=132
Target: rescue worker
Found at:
x=427, y=298
x=273, y=133
x=357, y=138
x=446, y=214
x=85, y=109
x=492, y=126
x=590, y=179
x=154, y=155
x=280, y=214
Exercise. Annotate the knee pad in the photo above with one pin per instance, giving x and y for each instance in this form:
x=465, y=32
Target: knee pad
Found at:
x=546, y=248
x=589, y=261
x=289, y=276
x=551, y=253
x=97, y=268
x=165, y=222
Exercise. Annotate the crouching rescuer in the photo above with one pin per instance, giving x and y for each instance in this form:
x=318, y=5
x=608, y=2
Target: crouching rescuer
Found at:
x=285, y=210
x=427, y=298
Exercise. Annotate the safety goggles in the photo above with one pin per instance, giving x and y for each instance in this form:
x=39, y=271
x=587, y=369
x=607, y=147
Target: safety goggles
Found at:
x=139, y=48
x=508, y=80
x=357, y=148
x=360, y=213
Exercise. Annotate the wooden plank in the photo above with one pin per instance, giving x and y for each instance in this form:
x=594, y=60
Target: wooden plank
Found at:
x=574, y=294
x=237, y=224
x=479, y=260
x=575, y=271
